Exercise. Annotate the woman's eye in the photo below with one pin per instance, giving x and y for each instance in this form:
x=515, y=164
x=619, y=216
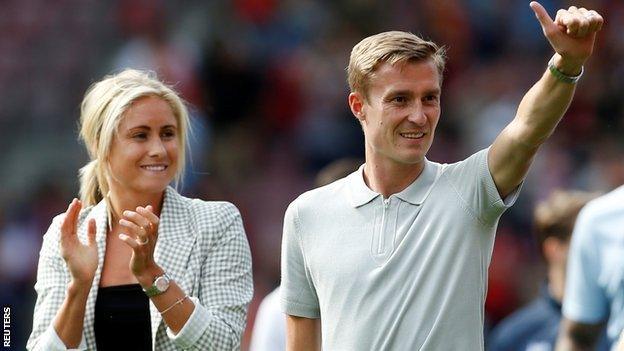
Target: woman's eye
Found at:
x=140, y=136
x=168, y=135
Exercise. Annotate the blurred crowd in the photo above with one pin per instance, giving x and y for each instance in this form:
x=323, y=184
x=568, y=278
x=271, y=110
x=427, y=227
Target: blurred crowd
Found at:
x=265, y=80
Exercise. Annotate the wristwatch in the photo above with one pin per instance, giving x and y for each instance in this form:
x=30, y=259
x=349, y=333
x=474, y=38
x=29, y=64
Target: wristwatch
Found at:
x=159, y=286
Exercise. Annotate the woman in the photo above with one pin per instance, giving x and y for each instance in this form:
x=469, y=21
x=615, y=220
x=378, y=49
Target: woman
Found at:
x=133, y=264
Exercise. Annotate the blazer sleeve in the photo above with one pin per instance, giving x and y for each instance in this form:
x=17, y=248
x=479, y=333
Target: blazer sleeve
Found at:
x=51, y=287
x=226, y=288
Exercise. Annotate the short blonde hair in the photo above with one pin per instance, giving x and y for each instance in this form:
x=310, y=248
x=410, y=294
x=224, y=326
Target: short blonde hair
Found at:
x=555, y=216
x=391, y=47
x=101, y=112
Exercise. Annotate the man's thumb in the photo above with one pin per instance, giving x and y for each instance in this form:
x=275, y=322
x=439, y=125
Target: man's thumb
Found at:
x=541, y=14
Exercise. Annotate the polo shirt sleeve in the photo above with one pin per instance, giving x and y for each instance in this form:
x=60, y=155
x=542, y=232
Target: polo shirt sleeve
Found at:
x=584, y=301
x=298, y=294
x=472, y=181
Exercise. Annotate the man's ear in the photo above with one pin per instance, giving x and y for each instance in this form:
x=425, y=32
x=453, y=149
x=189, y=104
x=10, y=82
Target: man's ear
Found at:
x=357, y=105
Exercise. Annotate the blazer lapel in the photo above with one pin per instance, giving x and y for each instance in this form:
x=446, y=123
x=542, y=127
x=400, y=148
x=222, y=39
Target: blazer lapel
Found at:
x=176, y=239
x=100, y=214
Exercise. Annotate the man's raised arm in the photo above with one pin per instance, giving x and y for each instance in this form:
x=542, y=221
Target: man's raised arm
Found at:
x=571, y=35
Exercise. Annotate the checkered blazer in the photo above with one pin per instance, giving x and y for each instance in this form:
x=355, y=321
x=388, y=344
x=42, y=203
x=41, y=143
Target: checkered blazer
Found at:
x=201, y=245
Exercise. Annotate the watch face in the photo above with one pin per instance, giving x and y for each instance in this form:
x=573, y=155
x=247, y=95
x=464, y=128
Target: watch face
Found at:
x=162, y=283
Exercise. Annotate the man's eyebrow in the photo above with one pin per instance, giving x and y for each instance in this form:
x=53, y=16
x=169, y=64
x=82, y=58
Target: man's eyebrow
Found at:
x=435, y=91
x=392, y=93
x=398, y=92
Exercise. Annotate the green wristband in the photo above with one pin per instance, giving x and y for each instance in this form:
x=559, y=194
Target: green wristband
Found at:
x=562, y=76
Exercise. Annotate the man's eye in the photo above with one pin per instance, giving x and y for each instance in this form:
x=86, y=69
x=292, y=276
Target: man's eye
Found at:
x=431, y=98
x=399, y=99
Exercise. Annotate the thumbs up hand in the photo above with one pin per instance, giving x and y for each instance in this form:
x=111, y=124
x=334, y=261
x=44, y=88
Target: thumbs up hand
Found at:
x=572, y=34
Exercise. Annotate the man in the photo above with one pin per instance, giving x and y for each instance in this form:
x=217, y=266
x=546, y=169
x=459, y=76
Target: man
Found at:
x=395, y=255
x=536, y=326
x=594, y=293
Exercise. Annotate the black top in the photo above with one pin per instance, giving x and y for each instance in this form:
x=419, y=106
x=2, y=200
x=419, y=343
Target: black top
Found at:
x=122, y=318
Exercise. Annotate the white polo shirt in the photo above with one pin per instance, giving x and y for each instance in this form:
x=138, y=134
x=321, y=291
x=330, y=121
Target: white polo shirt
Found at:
x=594, y=290
x=404, y=273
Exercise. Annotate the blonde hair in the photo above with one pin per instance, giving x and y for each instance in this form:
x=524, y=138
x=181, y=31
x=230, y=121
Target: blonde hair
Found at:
x=391, y=47
x=101, y=112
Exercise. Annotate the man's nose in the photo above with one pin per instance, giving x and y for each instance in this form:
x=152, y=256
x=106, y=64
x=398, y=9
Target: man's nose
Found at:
x=417, y=115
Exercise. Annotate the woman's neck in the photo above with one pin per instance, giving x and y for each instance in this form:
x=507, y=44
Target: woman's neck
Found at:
x=121, y=201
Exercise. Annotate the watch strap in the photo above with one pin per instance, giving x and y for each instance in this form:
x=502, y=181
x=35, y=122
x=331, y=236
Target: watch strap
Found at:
x=151, y=291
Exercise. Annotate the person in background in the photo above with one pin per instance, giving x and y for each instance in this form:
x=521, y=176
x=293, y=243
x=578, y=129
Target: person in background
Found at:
x=133, y=265
x=536, y=326
x=594, y=292
x=269, y=330
x=396, y=255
